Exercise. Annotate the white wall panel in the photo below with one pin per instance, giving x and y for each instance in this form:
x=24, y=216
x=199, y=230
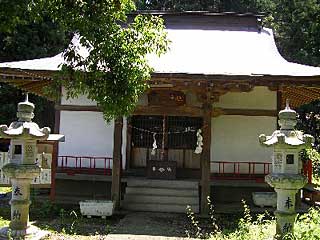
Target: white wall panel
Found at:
x=258, y=98
x=87, y=134
x=235, y=139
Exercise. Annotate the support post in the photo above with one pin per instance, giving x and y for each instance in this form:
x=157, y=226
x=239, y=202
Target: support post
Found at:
x=279, y=105
x=205, y=159
x=54, y=164
x=116, y=165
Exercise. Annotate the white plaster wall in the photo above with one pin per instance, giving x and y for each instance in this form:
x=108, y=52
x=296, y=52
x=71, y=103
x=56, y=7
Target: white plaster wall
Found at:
x=235, y=139
x=87, y=134
x=258, y=98
x=81, y=100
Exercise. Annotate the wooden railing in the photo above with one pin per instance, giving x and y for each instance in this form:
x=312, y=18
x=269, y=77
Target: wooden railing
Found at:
x=223, y=170
x=85, y=165
x=307, y=170
x=240, y=170
x=250, y=170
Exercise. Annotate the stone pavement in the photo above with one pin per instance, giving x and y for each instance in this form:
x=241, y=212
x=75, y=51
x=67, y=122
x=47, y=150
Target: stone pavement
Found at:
x=147, y=225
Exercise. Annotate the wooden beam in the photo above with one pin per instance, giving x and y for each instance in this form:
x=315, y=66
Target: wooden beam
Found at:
x=243, y=112
x=77, y=108
x=116, y=165
x=169, y=110
x=205, y=159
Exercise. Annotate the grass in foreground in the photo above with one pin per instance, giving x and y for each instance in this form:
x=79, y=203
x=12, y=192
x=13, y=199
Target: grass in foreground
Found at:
x=62, y=222
x=66, y=223
x=3, y=222
x=259, y=227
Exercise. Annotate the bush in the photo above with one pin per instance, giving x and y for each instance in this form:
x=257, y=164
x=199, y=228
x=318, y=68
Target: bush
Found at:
x=263, y=227
x=307, y=226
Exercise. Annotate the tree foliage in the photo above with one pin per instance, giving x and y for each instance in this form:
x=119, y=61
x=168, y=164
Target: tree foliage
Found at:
x=22, y=38
x=205, y=5
x=115, y=72
x=309, y=121
x=297, y=28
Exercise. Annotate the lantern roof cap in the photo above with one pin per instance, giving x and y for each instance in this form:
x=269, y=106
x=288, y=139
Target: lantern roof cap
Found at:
x=25, y=110
x=24, y=128
x=287, y=135
x=287, y=118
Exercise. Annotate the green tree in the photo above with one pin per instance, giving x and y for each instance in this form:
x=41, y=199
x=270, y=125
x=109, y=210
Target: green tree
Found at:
x=206, y=5
x=115, y=72
x=21, y=38
x=297, y=28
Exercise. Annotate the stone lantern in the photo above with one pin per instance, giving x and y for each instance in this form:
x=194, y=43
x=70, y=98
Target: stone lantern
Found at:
x=22, y=168
x=286, y=177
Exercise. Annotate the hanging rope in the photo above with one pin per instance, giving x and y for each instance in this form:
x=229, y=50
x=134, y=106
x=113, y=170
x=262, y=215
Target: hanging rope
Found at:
x=154, y=145
x=163, y=136
x=186, y=130
x=198, y=149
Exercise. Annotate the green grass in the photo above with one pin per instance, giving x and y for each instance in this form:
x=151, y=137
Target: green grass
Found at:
x=68, y=221
x=61, y=220
x=70, y=224
x=3, y=222
x=258, y=227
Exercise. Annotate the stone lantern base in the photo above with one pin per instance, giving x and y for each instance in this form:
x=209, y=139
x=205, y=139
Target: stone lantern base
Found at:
x=285, y=223
x=31, y=233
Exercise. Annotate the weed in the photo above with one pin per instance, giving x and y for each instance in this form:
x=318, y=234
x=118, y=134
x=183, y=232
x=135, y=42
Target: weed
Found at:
x=247, y=228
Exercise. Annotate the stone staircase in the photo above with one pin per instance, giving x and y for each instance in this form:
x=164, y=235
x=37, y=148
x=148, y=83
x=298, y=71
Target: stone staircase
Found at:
x=161, y=195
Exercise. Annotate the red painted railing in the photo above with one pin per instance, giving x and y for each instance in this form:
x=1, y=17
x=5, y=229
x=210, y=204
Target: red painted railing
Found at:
x=220, y=170
x=250, y=170
x=85, y=165
x=240, y=170
x=307, y=170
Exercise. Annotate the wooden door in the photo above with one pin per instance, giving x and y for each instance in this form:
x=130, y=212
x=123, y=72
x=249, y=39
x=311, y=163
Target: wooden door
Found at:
x=179, y=140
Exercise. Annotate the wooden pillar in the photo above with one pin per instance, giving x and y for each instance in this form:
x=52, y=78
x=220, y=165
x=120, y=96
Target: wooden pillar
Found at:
x=116, y=166
x=55, y=152
x=54, y=164
x=205, y=159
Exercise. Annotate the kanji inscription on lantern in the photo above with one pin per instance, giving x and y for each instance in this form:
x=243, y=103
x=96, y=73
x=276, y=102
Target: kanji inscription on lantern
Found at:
x=277, y=162
x=17, y=191
x=16, y=215
x=287, y=227
x=288, y=203
x=29, y=153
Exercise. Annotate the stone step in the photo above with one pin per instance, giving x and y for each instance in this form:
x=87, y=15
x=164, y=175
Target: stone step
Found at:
x=175, y=184
x=162, y=191
x=156, y=199
x=150, y=207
